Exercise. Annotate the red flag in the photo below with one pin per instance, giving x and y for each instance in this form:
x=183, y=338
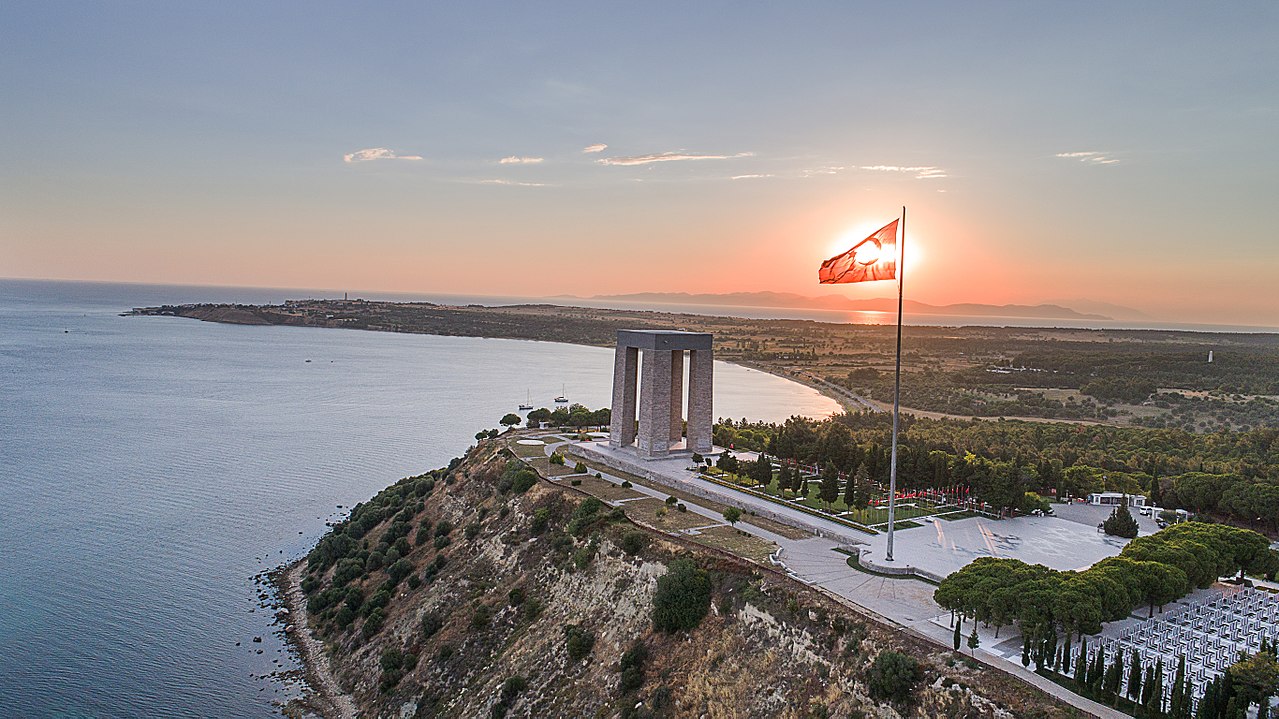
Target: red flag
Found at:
x=874, y=258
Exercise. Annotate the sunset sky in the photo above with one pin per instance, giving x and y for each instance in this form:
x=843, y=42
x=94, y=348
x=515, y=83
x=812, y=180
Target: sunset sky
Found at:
x=1119, y=152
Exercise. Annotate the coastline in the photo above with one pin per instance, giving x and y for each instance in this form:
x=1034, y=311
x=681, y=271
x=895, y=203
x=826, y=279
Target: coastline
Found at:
x=326, y=696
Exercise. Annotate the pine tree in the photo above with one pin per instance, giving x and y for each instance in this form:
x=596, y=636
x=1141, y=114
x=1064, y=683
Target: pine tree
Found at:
x=1134, y=678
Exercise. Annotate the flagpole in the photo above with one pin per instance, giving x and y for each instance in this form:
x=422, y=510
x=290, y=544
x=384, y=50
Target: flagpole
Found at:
x=897, y=389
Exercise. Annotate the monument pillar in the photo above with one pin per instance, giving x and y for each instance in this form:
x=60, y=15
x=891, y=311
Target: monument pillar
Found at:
x=677, y=395
x=661, y=391
x=700, y=406
x=625, y=374
x=655, y=403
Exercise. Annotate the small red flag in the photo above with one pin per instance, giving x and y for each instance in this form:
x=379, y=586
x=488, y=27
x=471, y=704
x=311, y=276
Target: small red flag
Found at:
x=874, y=258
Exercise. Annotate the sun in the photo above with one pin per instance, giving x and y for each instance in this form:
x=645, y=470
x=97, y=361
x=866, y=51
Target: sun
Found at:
x=915, y=247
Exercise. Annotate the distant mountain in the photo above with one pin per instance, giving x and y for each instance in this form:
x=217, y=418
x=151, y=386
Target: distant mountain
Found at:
x=1118, y=312
x=787, y=299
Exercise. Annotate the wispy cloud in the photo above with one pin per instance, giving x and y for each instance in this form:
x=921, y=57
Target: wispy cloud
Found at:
x=376, y=153
x=749, y=177
x=511, y=183
x=825, y=170
x=921, y=172
x=516, y=160
x=666, y=157
x=1091, y=157
x=597, y=147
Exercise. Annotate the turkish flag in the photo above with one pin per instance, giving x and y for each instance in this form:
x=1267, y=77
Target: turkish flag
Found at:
x=874, y=258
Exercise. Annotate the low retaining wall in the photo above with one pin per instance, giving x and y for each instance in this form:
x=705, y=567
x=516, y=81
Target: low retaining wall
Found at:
x=712, y=493
x=903, y=570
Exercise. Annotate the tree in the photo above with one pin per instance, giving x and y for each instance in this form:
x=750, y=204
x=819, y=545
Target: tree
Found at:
x=761, y=470
x=1121, y=522
x=892, y=676
x=1155, y=702
x=973, y=640
x=732, y=515
x=1134, y=677
x=728, y=463
x=481, y=435
x=957, y=638
x=783, y=480
x=682, y=598
x=1081, y=664
x=828, y=491
x=538, y=416
x=1256, y=678
x=1113, y=676
x=510, y=419
x=857, y=494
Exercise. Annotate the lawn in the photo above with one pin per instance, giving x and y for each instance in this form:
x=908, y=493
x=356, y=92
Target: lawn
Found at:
x=605, y=489
x=645, y=510
x=736, y=542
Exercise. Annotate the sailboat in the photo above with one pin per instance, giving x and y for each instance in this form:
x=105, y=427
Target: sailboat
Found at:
x=561, y=399
x=528, y=403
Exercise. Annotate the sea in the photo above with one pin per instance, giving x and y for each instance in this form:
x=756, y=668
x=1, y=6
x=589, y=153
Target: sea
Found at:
x=152, y=467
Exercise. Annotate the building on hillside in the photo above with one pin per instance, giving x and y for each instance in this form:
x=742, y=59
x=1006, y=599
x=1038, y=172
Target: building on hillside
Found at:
x=1116, y=498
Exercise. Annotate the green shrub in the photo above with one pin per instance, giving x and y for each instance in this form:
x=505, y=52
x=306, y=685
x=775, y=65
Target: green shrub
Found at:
x=557, y=458
x=346, y=570
x=442, y=541
x=472, y=530
x=541, y=517
x=634, y=541
x=443, y=528
x=575, y=482
x=400, y=570
x=578, y=642
x=579, y=468
x=632, y=667
x=584, y=516
x=683, y=597
x=892, y=676
x=431, y=623
x=626, y=483
x=482, y=616
x=524, y=481
x=515, y=597
x=373, y=623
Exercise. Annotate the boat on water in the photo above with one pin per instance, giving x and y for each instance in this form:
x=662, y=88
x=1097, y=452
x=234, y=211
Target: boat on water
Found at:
x=561, y=399
x=527, y=404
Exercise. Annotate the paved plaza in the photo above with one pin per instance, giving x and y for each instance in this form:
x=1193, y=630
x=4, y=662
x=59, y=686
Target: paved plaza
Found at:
x=941, y=547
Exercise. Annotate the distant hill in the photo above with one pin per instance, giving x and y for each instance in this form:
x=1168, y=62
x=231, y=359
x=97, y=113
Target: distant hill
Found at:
x=787, y=299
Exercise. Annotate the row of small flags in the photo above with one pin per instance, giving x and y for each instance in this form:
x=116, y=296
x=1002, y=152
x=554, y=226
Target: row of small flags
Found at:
x=955, y=492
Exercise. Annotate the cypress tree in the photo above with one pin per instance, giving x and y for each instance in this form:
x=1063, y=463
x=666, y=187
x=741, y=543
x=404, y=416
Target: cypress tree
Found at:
x=1065, y=657
x=1025, y=650
x=1114, y=674
x=1178, y=704
x=1155, y=704
x=957, y=636
x=1097, y=672
x=1081, y=663
x=1147, y=685
x=1134, y=678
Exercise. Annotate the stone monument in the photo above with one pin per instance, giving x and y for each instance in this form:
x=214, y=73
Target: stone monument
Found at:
x=661, y=391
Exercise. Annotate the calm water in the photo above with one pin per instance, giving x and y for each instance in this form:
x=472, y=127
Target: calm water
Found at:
x=150, y=467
